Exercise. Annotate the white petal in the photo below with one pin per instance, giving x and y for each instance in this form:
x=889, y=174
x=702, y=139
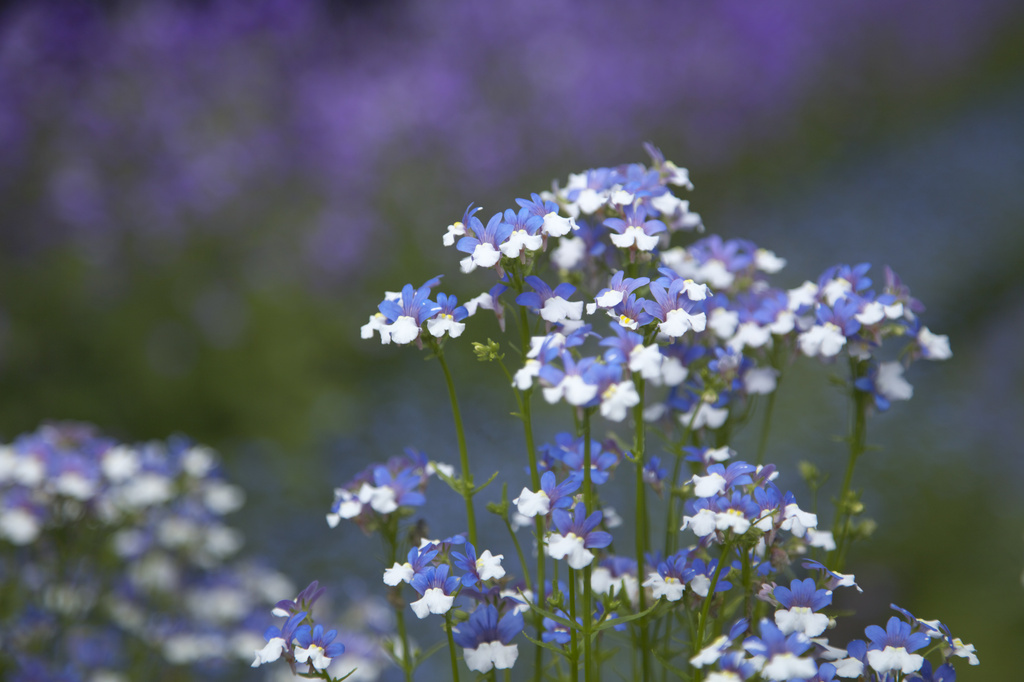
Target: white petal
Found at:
x=531, y=503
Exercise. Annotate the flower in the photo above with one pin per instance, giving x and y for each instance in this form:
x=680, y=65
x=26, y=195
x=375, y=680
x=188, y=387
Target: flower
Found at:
x=635, y=231
x=781, y=653
x=437, y=587
x=478, y=569
x=483, y=244
x=418, y=559
x=890, y=649
x=279, y=640
x=448, y=317
x=486, y=639
x=576, y=536
x=801, y=599
x=550, y=496
x=405, y=315
x=553, y=306
x=316, y=647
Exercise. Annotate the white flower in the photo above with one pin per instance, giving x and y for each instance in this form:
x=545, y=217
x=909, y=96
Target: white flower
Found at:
x=708, y=486
x=934, y=346
x=647, y=360
x=488, y=566
x=569, y=547
x=271, y=652
x=531, y=503
x=712, y=417
x=788, y=666
x=711, y=653
x=801, y=619
x=760, y=380
x=570, y=253
x=617, y=399
x=491, y=655
x=444, y=322
x=314, y=655
x=401, y=331
x=557, y=226
x=557, y=309
x=670, y=588
x=894, y=658
x=825, y=340
x=724, y=322
x=678, y=322
x=767, y=261
x=434, y=601
x=456, y=229
x=519, y=240
x=890, y=382
x=399, y=573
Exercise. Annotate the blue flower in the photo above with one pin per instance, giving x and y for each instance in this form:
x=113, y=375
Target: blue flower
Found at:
x=550, y=496
x=405, y=314
x=449, y=317
x=890, y=649
x=478, y=569
x=552, y=305
x=677, y=312
x=486, y=639
x=437, y=588
x=576, y=536
x=525, y=233
x=483, y=244
x=801, y=600
x=279, y=640
x=635, y=232
x=316, y=647
x=781, y=653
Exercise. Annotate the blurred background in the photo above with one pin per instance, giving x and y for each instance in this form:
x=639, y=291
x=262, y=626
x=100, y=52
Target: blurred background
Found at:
x=201, y=202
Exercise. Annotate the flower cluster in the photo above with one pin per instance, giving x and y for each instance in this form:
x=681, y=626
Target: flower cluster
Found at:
x=633, y=321
x=129, y=544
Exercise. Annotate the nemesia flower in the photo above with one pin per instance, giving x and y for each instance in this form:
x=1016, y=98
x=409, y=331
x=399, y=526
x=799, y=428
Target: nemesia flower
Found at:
x=576, y=536
x=486, y=639
x=316, y=646
x=890, y=649
x=483, y=244
x=279, y=640
x=802, y=599
x=478, y=569
x=437, y=588
x=550, y=496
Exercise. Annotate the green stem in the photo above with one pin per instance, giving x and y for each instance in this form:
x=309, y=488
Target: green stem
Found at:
x=858, y=444
x=588, y=501
x=574, y=651
x=670, y=533
x=523, y=398
x=451, y=645
x=706, y=606
x=467, y=478
x=390, y=535
x=642, y=540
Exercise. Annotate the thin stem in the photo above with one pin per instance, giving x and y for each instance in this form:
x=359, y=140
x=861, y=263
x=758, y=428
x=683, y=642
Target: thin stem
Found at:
x=390, y=535
x=574, y=651
x=642, y=540
x=451, y=645
x=588, y=501
x=460, y=432
x=776, y=360
x=670, y=534
x=858, y=444
x=706, y=606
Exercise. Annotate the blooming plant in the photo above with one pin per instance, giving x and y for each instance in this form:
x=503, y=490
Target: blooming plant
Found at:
x=116, y=561
x=622, y=310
